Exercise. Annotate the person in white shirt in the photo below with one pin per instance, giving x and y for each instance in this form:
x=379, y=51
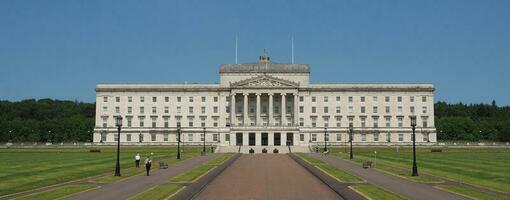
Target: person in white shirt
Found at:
x=137, y=160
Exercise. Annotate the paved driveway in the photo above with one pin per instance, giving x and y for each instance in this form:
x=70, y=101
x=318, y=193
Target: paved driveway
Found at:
x=266, y=176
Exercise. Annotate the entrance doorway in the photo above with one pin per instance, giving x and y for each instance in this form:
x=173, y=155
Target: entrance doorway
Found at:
x=239, y=139
x=264, y=139
x=277, y=139
x=251, y=139
x=290, y=139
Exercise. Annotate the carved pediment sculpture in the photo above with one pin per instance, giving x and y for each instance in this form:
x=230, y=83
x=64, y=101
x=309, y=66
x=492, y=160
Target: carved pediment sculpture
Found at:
x=265, y=81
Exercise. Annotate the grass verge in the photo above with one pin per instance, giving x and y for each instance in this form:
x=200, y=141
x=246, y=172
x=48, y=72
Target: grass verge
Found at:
x=158, y=192
x=58, y=193
x=374, y=192
x=469, y=192
x=196, y=172
x=333, y=171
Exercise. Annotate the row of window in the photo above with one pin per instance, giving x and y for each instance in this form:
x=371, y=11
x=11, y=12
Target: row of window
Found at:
x=166, y=110
x=301, y=99
x=153, y=137
x=364, y=137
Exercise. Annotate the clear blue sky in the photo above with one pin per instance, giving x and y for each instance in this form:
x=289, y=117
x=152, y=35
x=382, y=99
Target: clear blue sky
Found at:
x=62, y=49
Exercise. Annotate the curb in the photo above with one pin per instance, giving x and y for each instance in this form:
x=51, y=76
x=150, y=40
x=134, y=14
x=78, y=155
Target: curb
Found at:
x=196, y=187
x=342, y=189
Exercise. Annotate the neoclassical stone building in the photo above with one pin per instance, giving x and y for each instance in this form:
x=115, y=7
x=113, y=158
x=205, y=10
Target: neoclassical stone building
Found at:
x=265, y=103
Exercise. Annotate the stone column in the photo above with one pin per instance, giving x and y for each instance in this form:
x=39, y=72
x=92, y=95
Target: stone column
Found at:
x=296, y=110
x=258, y=110
x=233, y=117
x=283, y=110
x=271, y=109
x=245, y=110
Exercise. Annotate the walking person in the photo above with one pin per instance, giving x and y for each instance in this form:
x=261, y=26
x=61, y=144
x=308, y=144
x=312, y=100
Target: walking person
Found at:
x=137, y=160
x=148, y=164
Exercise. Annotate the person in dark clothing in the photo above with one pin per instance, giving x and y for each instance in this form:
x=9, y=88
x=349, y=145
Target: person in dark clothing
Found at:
x=148, y=164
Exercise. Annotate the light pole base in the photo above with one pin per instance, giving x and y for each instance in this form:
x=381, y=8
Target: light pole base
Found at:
x=415, y=170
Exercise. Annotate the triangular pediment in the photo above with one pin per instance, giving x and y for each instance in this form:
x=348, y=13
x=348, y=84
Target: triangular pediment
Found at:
x=264, y=81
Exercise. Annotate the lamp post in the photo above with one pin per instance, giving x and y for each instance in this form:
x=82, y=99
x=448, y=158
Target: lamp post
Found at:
x=415, y=167
x=350, y=138
x=325, y=141
x=203, y=149
x=119, y=125
x=179, y=141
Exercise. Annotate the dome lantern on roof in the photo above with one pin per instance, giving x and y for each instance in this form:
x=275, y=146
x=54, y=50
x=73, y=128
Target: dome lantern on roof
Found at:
x=264, y=57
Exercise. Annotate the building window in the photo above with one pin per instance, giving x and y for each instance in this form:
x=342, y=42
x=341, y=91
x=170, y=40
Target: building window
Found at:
x=153, y=123
x=338, y=99
x=178, y=99
x=154, y=99
x=202, y=109
x=105, y=124
x=400, y=137
x=314, y=137
x=374, y=98
x=351, y=109
x=301, y=122
x=337, y=110
x=227, y=137
x=165, y=137
x=215, y=99
x=376, y=122
x=338, y=120
x=302, y=137
x=141, y=122
x=388, y=122
x=190, y=99
x=326, y=109
x=202, y=123
x=425, y=122
x=167, y=109
x=128, y=137
x=117, y=99
x=301, y=98
x=388, y=137
x=399, y=99
x=115, y=137
x=375, y=109
x=190, y=137
x=167, y=99
x=202, y=137
x=142, y=99
x=338, y=137
x=387, y=109
x=129, y=122
x=376, y=137
x=399, y=109
x=178, y=110
x=314, y=99
x=203, y=99
x=215, y=137
x=400, y=122
x=411, y=99
x=301, y=109
x=190, y=110
x=362, y=99
x=153, y=137
x=153, y=110
x=351, y=121
x=314, y=109
x=424, y=109
x=426, y=137
x=105, y=109
x=350, y=99
x=215, y=122
x=166, y=122
x=130, y=99
x=363, y=122
x=411, y=109
x=117, y=109
x=362, y=109
x=215, y=109
x=424, y=99
x=130, y=110
x=190, y=124
x=363, y=137
x=387, y=99
x=105, y=99
x=325, y=99
x=314, y=122
x=142, y=110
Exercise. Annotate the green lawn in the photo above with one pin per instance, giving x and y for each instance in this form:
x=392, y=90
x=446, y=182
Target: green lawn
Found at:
x=58, y=193
x=339, y=174
x=192, y=174
x=374, y=192
x=487, y=167
x=474, y=194
x=31, y=168
x=157, y=192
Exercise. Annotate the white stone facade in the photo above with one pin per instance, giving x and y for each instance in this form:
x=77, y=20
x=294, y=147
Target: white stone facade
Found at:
x=379, y=113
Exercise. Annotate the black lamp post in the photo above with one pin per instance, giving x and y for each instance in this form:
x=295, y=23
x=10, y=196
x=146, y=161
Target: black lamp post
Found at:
x=179, y=141
x=325, y=141
x=415, y=167
x=350, y=138
x=203, y=149
x=118, y=123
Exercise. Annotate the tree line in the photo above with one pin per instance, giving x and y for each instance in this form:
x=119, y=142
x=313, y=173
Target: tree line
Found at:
x=48, y=120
